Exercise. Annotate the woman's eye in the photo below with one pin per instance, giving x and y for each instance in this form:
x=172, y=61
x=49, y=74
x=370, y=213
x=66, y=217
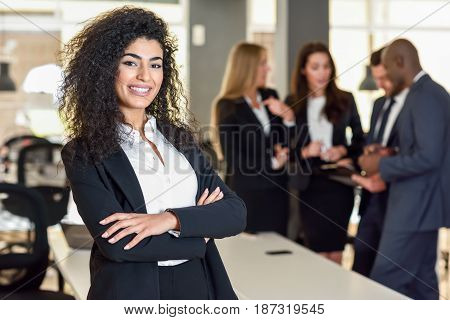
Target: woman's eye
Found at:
x=156, y=66
x=129, y=63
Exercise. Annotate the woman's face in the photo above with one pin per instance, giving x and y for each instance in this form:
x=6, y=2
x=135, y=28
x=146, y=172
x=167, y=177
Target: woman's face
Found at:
x=317, y=71
x=140, y=74
x=262, y=71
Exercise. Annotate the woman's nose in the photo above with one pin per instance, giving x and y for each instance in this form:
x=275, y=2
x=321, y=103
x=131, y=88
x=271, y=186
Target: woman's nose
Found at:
x=144, y=74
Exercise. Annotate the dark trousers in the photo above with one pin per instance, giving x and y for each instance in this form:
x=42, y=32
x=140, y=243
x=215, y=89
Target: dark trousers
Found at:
x=406, y=263
x=186, y=281
x=368, y=236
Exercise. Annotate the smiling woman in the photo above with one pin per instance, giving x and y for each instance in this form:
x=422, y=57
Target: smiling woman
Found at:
x=132, y=156
x=139, y=77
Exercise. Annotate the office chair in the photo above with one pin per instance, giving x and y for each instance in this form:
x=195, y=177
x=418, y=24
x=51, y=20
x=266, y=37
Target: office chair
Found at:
x=22, y=272
x=10, y=149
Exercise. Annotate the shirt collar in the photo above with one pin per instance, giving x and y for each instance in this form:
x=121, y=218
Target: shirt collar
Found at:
x=130, y=136
x=419, y=75
x=258, y=99
x=401, y=96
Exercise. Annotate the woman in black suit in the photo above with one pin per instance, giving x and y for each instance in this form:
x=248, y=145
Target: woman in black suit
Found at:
x=138, y=178
x=323, y=113
x=252, y=128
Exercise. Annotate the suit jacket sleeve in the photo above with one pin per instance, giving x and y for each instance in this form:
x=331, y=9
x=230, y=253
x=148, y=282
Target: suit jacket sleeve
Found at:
x=229, y=134
x=95, y=201
x=429, y=132
x=220, y=219
x=356, y=147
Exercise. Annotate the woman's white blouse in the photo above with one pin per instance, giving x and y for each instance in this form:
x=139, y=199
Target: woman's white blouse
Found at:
x=172, y=185
x=320, y=129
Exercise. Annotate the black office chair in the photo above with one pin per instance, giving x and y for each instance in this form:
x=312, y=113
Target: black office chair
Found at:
x=22, y=272
x=37, y=159
x=34, y=161
x=10, y=149
x=32, y=171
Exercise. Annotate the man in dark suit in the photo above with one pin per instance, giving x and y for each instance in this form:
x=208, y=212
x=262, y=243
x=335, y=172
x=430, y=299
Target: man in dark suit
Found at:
x=372, y=207
x=419, y=178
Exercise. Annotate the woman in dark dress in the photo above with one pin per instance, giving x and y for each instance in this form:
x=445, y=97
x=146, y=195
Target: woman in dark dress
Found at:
x=252, y=128
x=323, y=113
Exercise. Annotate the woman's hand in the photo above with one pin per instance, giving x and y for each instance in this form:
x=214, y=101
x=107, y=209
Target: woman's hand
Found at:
x=146, y=225
x=280, y=109
x=216, y=195
x=281, y=155
x=312, y=150
x=207, y=198
x=334, y=154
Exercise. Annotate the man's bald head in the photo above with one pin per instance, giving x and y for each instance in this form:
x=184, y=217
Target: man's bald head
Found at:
x=402, y=63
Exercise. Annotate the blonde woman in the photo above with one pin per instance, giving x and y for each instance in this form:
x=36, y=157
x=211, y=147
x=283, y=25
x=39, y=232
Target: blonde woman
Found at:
x=251, y=132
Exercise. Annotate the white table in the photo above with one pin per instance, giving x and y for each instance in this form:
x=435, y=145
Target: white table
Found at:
x=300, y=275
x=73, y=264
x=254, y=274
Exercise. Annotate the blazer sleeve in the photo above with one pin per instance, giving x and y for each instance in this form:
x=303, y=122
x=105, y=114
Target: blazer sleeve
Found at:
x=220, y=219
x=356, y=147
x=229, y=133
x=95, y=201
x=429, y=130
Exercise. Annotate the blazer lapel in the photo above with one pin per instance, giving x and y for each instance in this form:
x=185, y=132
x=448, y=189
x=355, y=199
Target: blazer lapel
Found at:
x=248, y=114
x=120, y=170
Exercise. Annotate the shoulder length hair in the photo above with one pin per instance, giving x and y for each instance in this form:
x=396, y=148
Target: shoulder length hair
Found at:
x=336, y=100
x=240, y=76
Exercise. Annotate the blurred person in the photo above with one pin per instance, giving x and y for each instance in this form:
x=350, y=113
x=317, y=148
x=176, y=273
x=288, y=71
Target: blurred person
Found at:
x=142, y=186
x=323, y=114
x=382, y=137
x=251, y=132
x=418, y=176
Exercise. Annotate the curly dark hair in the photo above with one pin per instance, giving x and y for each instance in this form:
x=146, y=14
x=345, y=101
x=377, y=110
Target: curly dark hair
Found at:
x=89, y=105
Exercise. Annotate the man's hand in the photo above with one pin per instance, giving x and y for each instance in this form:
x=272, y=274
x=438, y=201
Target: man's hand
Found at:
x=370, y=163
x=373, y=184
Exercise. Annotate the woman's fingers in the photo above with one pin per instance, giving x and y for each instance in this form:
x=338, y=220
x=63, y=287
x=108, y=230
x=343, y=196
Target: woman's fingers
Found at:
x=212, y=197
x=125, y=232
x=203, y=197
x=118, y=225
x=138, y=238
x=116, y=216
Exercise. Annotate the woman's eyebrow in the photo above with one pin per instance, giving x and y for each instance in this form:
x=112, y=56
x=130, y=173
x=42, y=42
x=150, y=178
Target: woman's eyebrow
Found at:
x=140, y=58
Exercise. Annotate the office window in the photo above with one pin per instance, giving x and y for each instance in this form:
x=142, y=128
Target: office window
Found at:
x=424, y=22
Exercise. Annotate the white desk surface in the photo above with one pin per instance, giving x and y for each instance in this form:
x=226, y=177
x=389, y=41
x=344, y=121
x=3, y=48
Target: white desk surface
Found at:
x=300, y=275
x=73, y=264
x=254, y=274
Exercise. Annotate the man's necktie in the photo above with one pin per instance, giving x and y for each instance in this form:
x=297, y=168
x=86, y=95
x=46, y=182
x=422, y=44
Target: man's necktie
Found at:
x=384, y=119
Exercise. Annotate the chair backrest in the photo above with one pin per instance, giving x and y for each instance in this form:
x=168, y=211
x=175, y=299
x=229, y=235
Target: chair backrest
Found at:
x=13, y=145
x=23, y=265
x=56, y=201
x=40, y=164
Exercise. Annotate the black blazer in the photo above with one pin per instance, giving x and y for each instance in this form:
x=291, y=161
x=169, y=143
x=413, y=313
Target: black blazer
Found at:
x=302, y=138
x=112, y=186
x=247, y=150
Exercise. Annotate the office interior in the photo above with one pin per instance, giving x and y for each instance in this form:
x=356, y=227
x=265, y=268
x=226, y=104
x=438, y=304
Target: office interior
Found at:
x=32, y=32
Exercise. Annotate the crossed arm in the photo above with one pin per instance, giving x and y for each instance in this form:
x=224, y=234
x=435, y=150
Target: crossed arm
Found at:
x=96, y=201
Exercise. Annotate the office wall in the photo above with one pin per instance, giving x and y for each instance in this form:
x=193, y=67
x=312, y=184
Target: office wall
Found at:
x=225, y=24
x=298, y=22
